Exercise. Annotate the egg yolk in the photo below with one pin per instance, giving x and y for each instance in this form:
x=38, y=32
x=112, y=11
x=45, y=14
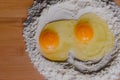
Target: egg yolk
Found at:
x=48, y=40
x=84, y=32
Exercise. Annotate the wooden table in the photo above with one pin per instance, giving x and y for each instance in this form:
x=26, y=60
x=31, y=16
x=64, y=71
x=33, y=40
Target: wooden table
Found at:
x=14, y=62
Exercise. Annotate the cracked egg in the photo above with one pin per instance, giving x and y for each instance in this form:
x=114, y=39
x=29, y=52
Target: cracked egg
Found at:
x=55, y=39
x=87, y=39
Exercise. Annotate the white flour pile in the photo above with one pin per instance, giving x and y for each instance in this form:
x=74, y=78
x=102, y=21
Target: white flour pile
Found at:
x=70, y=9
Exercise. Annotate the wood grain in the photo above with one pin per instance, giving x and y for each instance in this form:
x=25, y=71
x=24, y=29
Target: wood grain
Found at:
x=14, y=61
x=14, y=8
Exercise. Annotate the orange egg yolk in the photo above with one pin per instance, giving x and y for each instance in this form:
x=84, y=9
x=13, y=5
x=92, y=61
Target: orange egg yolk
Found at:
x=49, y=40
x=84, y=32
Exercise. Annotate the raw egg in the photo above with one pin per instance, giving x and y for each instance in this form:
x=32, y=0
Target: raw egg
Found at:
x=55, y=39
x=92, y=38
x=87, y=38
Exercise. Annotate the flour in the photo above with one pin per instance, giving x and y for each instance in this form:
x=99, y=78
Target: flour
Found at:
x=69, y=9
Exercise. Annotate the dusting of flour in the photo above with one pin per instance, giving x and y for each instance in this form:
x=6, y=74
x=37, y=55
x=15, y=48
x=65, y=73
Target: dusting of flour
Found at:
x=70, y=9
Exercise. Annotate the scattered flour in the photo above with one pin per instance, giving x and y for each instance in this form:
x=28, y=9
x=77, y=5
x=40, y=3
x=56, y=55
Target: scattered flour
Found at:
x=69, y=9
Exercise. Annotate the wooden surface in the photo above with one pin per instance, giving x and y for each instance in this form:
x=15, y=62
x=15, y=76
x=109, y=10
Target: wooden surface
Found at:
x=14, y=62
x=117, y=2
